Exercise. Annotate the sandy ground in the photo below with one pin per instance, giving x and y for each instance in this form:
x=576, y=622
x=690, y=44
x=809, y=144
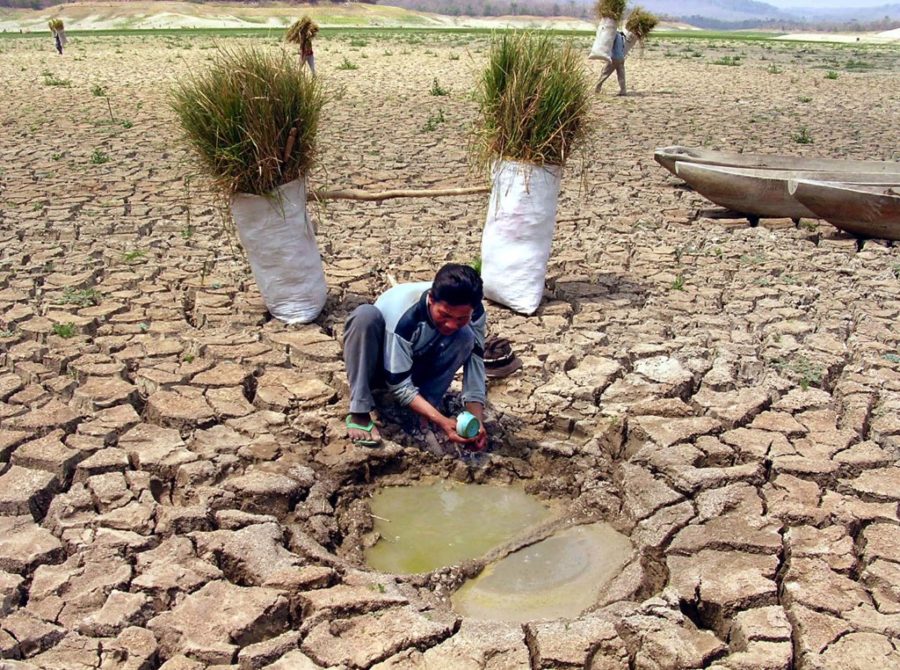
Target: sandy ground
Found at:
x=175, y=487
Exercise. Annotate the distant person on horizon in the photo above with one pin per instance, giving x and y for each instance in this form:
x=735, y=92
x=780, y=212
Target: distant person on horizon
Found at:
x=302, y=33
x=59, y=34
x=616, y=64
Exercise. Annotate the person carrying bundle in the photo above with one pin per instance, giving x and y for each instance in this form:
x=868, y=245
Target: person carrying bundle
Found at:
x=59, y=34
x=616, y=64
x=302, y=33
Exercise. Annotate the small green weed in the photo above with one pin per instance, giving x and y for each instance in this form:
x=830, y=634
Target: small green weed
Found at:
x=454, y=56
x=51, y=79
x=133, y=256
x=346, y=64
x=64, y=330
x=678, y=283
x=98, y=91
x=831, y=74
x=437, y=89
x=6, y=333
x=81, y=297
x=802, y=136
x=127, y=124
x=434, y=121
x=99, y=157
x=188, y=358
x=476, y=264
x=853, y=64
x=732, y=61
x=187, y=232
x=892, y=358
x=56, y=155
x=774, y=69
x=804, y=98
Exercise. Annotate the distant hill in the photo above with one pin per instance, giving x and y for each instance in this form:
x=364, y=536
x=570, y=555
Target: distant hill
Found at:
x=713, y=14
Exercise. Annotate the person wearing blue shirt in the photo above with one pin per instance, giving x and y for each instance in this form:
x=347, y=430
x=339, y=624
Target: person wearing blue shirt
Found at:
x=616, y=64
x=415, y=338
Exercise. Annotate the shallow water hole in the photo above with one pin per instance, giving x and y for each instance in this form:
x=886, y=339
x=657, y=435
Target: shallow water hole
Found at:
x=536, y=565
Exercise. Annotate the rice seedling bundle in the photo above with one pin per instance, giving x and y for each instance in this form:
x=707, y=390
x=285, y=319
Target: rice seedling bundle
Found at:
x=611, y=9
x=56, y=25
x=301, y=31
x=251, y=120
x=640, y=23
x=533, y=101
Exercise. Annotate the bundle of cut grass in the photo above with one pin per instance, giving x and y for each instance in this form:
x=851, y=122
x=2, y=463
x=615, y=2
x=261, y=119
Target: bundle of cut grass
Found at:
x=611, y=9
x=251, y=119
x=533, y=100
x=301, y=31
x=56, y=25
x=640, y=23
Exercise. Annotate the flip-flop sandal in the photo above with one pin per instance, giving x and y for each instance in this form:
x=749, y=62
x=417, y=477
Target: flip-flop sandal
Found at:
x=366, y=429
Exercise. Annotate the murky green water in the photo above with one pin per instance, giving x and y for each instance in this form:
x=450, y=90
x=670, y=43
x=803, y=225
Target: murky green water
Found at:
x=427, y=527
x=559, y=577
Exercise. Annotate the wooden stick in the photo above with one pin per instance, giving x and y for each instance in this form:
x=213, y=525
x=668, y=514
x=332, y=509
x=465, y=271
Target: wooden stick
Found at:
x=359, y=194
x=289, y=146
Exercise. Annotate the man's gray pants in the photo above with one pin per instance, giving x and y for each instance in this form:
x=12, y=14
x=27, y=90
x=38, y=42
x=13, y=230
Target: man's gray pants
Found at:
x=617, y=66
x=432, y=372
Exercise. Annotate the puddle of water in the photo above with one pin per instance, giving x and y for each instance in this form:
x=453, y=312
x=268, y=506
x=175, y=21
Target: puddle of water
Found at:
x=559, y=577
x=427, y=527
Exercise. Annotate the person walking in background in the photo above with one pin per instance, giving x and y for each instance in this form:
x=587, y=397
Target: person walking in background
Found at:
x=302, y=33
x=616, y=64
x=59, y=34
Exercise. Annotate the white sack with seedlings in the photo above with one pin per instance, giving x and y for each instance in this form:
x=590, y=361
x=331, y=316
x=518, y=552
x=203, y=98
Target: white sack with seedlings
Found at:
x=603, y=42
x=630, y=40
x=281, y=246
x=518, y=234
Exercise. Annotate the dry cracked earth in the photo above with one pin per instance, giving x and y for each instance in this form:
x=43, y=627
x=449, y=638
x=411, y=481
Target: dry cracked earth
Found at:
x=175, y=487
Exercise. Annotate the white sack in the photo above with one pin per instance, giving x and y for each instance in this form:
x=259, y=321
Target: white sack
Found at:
x=281, y=246
x=518, y=234
x=630, y=40
x=603, y=42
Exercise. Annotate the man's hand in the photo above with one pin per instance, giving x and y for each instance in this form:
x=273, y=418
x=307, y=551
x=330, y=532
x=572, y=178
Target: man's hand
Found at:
x=479, y=442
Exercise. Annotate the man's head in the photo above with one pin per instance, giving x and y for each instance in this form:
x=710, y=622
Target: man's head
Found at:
x=455, y=294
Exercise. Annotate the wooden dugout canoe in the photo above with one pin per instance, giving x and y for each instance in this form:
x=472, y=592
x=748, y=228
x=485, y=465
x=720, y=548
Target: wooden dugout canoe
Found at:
x=868, y=211
x=668, y=156
x=761, y=193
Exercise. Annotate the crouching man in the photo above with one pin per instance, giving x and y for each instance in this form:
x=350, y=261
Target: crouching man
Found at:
x=414, y=339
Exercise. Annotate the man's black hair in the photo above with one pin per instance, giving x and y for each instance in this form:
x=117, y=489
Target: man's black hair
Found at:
x=457, y=285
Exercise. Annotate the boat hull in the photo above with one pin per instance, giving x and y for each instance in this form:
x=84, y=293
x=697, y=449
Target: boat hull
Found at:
x=668, y=156
x=764, y=193
x=867, y=211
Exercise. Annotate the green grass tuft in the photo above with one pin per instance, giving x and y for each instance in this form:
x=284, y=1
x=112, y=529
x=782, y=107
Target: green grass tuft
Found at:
x=802, y=136
x=65, y=330
x=533, y=100
x=437, y=89
x=251, y=118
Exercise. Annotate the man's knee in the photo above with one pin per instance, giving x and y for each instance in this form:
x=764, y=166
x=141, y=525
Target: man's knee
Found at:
x=364, y=318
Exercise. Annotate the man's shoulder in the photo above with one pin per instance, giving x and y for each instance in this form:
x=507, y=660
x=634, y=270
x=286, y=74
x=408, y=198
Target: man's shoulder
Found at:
x=400, y=307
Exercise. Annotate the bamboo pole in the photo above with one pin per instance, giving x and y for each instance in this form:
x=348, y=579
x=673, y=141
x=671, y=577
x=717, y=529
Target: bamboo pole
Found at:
x=374, y=196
